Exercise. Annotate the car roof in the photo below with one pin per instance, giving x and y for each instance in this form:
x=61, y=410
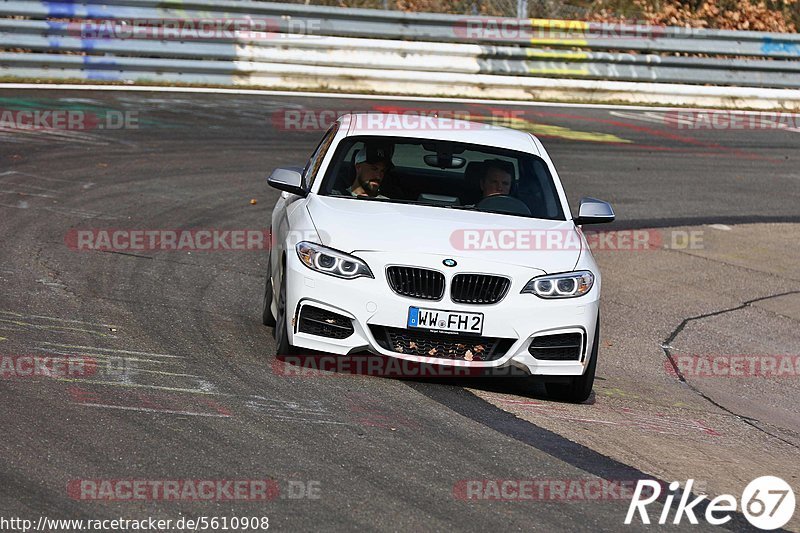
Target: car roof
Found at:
x=444, y=128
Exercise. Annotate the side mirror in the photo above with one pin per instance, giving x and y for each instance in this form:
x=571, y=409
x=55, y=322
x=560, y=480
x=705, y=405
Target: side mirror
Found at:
x=593, y=211
x=288, y=179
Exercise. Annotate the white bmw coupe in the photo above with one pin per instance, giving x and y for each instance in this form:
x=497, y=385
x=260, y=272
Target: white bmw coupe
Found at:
x=443, y=242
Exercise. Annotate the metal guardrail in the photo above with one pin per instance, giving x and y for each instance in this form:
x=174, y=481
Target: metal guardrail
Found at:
x=428, y=26
x=273, y=42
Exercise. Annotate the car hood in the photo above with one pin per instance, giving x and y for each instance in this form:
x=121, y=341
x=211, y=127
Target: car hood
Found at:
x=352, y=225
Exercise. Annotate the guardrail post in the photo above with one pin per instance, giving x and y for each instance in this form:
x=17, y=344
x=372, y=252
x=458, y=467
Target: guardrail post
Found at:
x=522, y=9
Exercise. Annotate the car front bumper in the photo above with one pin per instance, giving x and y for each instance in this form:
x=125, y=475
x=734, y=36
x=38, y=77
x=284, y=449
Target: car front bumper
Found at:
x=371, y=302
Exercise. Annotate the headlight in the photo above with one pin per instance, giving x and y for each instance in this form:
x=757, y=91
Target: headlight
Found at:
x=566, y=285
x=332, y=262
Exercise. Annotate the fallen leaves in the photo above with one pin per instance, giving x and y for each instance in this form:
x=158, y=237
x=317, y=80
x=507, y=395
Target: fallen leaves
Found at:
x=779, y=16
x=446, y=350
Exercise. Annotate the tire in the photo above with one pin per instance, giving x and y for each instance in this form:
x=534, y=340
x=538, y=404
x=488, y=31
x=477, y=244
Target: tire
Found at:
x=579, y=388
x=282, y=345
x=267, y=318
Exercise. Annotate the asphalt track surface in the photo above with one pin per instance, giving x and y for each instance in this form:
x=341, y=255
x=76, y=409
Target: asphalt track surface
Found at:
x=196, y=393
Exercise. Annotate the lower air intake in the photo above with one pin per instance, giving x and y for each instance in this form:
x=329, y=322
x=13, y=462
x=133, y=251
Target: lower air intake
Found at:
x=558, y=347
x=316, y=321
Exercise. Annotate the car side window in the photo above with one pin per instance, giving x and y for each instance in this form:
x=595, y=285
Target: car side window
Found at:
x=538, y=191
x=314, y=162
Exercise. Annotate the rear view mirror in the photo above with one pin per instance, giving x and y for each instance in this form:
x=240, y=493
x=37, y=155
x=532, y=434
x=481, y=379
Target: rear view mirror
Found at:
x=288, y=179
x=444, y=161
x=593, y=211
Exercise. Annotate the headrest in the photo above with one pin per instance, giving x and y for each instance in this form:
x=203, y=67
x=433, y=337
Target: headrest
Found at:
x=474, y=172
x=505, y=166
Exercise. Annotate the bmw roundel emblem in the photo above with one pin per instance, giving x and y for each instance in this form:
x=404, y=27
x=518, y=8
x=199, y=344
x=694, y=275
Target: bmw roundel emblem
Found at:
x=449, y=262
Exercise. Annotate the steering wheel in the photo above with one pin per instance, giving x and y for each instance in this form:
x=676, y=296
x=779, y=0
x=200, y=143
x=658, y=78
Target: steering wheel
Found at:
x=503, y=203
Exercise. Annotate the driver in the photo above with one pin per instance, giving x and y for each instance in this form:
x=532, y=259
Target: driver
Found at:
x=371, y=163
x=497, y=179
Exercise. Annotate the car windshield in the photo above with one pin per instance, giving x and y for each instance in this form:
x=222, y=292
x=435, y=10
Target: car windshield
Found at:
x=442, y=174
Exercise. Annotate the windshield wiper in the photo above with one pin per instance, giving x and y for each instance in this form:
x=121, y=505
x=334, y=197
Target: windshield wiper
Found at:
x=373, y=199
x=406, y=202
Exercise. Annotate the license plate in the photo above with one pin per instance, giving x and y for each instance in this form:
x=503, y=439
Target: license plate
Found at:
x=452, y=321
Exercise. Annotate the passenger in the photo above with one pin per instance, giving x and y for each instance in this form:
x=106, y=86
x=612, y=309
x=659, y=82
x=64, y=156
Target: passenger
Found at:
x=372, y=164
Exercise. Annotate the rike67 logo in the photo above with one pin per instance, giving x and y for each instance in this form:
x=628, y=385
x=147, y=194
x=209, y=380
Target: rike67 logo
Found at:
x=767, y=502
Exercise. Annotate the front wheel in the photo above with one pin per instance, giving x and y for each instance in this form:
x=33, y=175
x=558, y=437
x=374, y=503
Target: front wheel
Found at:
x=579, y=388
x=282, y=344
x=266, y=315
